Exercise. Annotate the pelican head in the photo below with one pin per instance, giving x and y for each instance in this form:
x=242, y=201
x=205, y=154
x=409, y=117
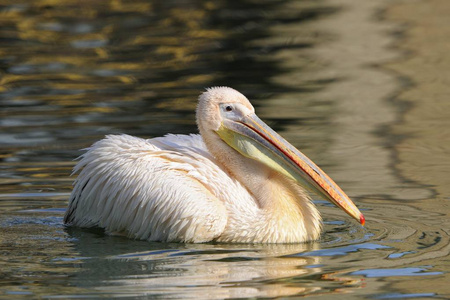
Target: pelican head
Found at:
x=226, y=119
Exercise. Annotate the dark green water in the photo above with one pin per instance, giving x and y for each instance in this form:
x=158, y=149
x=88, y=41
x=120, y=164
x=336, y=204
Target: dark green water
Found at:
x=362, y=88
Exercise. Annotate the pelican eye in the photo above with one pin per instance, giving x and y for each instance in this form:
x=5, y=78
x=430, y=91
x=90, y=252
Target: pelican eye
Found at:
x=228, y=108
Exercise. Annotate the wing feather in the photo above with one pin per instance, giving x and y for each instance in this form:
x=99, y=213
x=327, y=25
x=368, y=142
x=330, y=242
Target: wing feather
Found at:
x=147, y=189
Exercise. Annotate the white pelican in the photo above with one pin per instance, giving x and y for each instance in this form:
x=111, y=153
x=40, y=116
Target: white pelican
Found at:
x=238, y=181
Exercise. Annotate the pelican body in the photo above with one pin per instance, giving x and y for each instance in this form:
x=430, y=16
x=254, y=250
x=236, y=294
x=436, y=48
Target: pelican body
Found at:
x=237, y=181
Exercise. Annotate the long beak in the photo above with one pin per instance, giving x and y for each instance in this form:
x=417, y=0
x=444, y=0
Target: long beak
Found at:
x=253, y=138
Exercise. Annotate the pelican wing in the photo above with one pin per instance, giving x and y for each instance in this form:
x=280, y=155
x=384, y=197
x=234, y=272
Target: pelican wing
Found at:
x=149, y=189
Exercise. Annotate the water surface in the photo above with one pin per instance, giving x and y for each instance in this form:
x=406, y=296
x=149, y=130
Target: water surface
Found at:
x=360, y=87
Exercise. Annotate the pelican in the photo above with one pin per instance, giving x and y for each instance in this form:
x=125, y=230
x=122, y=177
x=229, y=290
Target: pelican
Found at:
x=238, y=181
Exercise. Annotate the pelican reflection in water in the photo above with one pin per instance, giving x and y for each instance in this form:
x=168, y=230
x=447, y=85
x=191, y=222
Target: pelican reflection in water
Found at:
x=238, y=181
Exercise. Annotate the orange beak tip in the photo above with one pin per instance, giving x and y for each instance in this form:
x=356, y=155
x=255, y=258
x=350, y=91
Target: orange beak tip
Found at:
x=362, y=220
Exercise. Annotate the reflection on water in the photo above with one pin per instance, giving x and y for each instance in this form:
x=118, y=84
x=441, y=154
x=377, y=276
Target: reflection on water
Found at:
x=215, y=270
x=344, y=81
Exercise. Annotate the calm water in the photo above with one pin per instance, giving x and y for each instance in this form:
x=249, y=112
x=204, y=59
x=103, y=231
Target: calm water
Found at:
x=362, y=87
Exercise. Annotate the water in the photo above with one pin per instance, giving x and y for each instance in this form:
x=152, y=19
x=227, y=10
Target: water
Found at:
x=361, y=87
